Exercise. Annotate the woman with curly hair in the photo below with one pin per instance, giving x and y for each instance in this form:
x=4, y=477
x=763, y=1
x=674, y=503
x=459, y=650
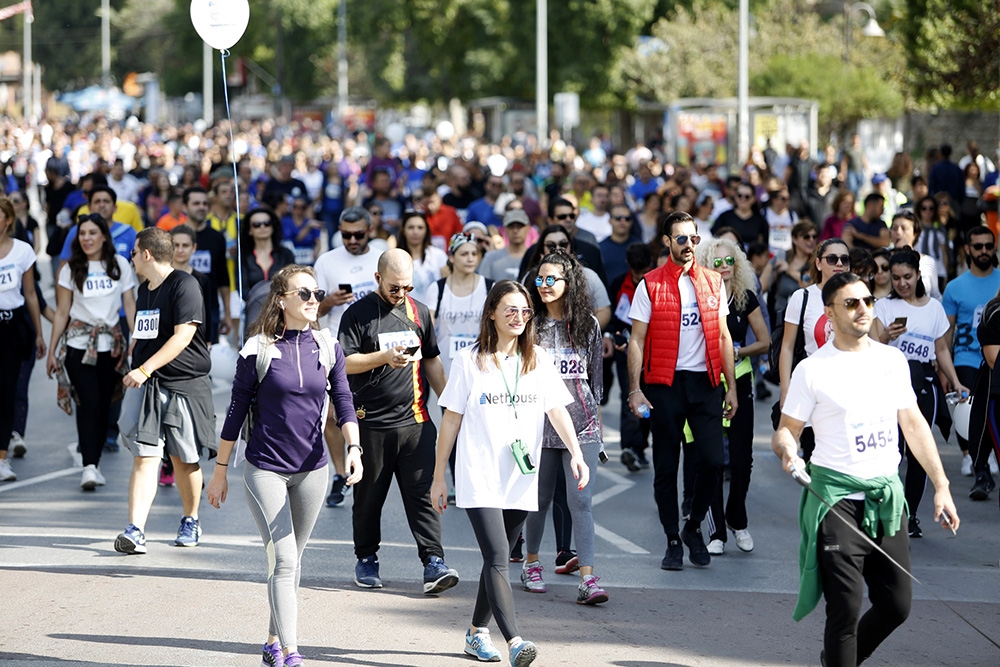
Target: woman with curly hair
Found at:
x=567, y=329
x=285, y=474
x=87, y=350
x=727, y=259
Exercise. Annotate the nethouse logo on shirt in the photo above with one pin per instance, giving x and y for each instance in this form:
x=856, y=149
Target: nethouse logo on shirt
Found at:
x=504, y=399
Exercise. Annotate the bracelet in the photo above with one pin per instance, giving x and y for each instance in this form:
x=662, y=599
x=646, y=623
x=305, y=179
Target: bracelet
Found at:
x=220, y=463
x=634, y=391
x=360, y=449
x=145, y=372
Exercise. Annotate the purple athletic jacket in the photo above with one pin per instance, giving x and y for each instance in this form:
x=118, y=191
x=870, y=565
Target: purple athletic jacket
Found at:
x=288, y=434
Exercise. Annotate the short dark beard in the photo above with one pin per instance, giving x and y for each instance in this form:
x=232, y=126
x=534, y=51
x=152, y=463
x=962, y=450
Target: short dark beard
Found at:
x=982, y=262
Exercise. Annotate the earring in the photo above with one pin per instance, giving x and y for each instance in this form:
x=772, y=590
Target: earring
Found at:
x=281, y=304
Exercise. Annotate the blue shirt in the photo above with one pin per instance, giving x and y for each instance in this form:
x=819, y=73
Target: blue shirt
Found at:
x=482, y=211
x=614, y=255
x=964, y=299
x=122, y=237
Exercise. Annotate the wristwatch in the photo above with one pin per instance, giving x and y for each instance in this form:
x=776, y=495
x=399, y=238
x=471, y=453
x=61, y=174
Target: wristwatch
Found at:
x=360, y=449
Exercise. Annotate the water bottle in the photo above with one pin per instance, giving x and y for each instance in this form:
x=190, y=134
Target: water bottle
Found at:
x=644, y=411
x=953, y=398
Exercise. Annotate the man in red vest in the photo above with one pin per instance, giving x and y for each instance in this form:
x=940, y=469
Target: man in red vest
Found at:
x=679, y=351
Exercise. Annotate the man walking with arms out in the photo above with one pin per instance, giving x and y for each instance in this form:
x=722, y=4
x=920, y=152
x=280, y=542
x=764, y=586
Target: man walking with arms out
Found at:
x=679, y=350
x=854, y=468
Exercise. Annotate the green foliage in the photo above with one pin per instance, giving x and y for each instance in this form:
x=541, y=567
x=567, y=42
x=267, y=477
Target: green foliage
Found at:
x=952, y=49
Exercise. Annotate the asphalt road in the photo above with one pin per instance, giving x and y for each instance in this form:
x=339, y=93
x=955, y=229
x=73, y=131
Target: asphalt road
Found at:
x=69, y=599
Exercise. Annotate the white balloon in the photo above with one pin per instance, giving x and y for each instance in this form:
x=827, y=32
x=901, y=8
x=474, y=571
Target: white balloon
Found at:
x=497, y=164
x=220, y=23
x=960, y=416
x=445, y=130
x=395, y=133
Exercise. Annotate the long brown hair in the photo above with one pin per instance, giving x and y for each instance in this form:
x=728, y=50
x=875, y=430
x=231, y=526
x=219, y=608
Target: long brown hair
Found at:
x=486, y=344
x=271, y=321
x=79, y=264
x=8, y=210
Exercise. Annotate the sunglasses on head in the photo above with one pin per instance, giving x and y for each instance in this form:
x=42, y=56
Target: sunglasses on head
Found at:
x=357, y=236
x=834, y=260
x=394, y=289
x=982, y=246
x=548, y=281
x=305, y=293
x=257, y=224
x=525, y=313
x=89, y=217
x=852, y=303
x=719, y=261
x=684, y=238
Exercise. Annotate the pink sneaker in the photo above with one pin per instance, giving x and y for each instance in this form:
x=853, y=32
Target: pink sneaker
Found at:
x=589, y=592
x=166, y=474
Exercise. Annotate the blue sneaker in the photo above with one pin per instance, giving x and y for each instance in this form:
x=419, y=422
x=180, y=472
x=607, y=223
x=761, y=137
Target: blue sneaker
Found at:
x=481, y=646
x=189, y=533
x=366, y=573
x=523, y=653
x=438, y=577
x=132, y=541
x=293, y=659
x=272, y=656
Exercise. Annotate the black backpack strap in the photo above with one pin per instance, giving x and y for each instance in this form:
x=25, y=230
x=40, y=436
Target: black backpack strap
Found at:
x=437, y=309
x=800, y=337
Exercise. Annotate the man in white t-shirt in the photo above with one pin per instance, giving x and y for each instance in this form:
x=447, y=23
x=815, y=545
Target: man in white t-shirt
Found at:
x=679, y=350
x=353, y=264
x=597, y=220
x=854, y=469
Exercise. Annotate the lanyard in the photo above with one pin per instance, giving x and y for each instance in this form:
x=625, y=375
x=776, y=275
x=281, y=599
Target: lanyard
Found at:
x=517, y=378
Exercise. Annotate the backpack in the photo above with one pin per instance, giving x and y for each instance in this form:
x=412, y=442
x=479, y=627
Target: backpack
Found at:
x=772, y=374
x=441, y=285
x=265, y=352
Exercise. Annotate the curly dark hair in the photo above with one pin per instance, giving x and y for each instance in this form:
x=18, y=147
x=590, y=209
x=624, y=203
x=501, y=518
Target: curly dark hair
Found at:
x=79, y=265
x=578, y=312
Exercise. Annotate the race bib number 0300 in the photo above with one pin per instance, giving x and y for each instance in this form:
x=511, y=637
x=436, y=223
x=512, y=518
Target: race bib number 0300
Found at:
x=147, y=324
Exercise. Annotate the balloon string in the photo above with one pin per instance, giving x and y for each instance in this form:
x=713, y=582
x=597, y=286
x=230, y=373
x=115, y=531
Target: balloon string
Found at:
x=224, y=53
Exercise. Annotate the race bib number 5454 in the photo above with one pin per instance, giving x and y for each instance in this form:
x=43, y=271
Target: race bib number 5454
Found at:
x=869, y=437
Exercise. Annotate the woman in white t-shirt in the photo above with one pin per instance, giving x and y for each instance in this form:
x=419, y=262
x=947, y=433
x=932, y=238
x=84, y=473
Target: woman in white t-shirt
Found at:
x=88, y=349
x=917, y=324
x=498, y=395
x=832, y=257
x=904, y=233
x=429, y=261
x=19, y=312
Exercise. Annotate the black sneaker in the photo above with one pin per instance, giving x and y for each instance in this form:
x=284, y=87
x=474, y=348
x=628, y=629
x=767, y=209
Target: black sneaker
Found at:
x=567, y=562
x=914, y=527
x=984, y=484
x=674, y=558
x=630, y=460
x=698, y=552
x=685, y=509
x=762, y=392
x=336, y=497
x=517, y=553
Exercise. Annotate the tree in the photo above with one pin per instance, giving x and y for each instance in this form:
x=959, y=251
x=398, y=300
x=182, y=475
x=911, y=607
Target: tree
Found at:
x=953, y=52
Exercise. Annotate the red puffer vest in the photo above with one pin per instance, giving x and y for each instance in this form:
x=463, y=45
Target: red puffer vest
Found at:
x=659, y=358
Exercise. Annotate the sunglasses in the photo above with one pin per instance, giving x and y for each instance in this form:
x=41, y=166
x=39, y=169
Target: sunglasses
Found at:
x=834, y=260
x=90, y=217
x=927, y=208
x=812, y=236
x=357, y=236
x=525, y=313
x=728, y=261
x=257, y=224
x=982, y=246
x=565, y=216
x=556, y=245
x=375, y=212
x=684, y=238
x=881, y=268
x=620, y=217
x=548, y=281
x=743, y=195
x=304, y=294
x=394, y=289
x=852, y=303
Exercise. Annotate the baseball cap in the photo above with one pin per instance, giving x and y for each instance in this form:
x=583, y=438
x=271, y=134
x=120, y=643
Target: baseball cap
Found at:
x=879, y=178
x=475, y=224
x=516, y=215
x=57, y=165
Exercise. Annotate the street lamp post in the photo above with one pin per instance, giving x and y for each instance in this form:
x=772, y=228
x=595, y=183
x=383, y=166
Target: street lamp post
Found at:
x=871, y=29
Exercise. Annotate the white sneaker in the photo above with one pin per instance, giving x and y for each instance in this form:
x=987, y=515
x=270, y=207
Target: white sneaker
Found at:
x=993, y=463
x=743, y=539
x=967, y=465
x=7, y=473
x=17, y=447
x=88, y=481
x=74, y=453
x=100, y=478
x=716, y=547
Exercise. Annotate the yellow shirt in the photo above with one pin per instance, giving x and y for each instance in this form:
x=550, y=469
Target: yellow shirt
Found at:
x=127, y=213
x=230, y=230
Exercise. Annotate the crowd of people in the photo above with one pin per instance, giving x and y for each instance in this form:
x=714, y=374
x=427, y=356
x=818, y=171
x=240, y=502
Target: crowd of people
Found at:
x=354, y=279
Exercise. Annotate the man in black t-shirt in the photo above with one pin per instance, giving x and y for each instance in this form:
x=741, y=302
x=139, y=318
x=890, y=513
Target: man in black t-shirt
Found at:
x=210, y=259
x=284, y=184
x=749, y=224
x=392, y=355
x=168, y=397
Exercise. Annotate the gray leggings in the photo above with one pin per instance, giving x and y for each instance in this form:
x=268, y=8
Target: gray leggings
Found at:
x=285, y=508
x=578, y=500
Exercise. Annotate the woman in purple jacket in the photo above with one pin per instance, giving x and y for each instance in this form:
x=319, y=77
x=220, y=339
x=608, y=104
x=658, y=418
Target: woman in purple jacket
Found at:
x=286, y=471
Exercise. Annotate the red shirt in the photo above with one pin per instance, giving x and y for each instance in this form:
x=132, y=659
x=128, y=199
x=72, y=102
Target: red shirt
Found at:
x=444, y=223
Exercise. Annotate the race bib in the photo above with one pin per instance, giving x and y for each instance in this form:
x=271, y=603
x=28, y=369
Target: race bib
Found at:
x=871, y=437
x=781, y=238
x=9, y=278
x=97, y=285
x=387, y=341
x=621, y=310
x=690, y=316
x=916, y=347
x=201, y=261
x=458, y=342
x=570, y=365
x=305, y=256
x=147, y=324
x=362, y=289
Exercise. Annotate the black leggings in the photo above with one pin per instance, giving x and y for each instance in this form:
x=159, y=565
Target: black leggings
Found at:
x=94, y=386
x=928, y=401
x=10, y=368
x=740, y=431
x=496, y=532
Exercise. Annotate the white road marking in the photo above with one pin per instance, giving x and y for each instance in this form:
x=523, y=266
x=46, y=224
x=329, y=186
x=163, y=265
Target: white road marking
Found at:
x=621, y=484
x=38, y=480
